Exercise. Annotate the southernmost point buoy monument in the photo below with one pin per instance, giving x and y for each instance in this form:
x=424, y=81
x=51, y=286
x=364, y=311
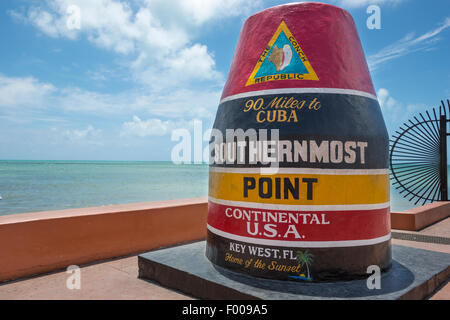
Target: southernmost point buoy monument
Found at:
x=298, y=181
x=298, y=204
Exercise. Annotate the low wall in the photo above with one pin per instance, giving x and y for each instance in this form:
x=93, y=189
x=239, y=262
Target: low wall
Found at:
x=418, y=218
x=33, y=243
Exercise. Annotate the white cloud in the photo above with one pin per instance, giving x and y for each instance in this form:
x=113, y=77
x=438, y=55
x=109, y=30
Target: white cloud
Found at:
x=150, y=127
x=187, y=62
x=84, y=101
x=407, y=45
x=23, y=92
x=395, y=113
x=156, y=36
x=387, y=103
x=175, y=78
x=195, y=13
x=76, y=137
x=45, y=22
x=28, y=98
x=88, y=133
x=176, y=104
x=365, y=3
x=179, y=103
x=202, y=11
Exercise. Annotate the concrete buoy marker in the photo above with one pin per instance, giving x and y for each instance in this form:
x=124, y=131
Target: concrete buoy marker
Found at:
x=298, y=181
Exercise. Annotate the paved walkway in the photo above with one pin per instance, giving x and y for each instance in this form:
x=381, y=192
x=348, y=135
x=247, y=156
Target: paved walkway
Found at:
x=110, y=280
x=117, y=279
x=440, y=229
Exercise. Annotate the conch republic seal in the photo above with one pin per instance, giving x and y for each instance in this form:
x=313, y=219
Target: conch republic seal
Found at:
x=298, y=180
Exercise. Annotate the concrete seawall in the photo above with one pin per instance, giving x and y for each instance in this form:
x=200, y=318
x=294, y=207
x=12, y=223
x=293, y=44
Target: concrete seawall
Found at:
x=39, y=242
x=418, y=218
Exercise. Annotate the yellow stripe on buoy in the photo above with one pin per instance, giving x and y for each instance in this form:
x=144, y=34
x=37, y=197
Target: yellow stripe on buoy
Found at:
x=304, y=189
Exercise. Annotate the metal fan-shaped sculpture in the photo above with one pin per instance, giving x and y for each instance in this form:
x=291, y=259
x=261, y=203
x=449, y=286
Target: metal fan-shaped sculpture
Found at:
x=418, y=157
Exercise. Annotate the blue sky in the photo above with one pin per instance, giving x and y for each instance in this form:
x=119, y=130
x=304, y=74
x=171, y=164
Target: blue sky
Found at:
x=115, y=88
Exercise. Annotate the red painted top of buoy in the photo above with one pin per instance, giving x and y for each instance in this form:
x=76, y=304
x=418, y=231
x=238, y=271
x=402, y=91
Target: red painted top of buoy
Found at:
x=326, y=34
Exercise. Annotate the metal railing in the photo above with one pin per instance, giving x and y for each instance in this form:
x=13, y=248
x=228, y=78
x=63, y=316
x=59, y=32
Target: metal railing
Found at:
x=418, y=156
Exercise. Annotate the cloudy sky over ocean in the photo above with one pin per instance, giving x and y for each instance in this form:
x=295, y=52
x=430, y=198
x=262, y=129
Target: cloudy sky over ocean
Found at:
x=133, y=71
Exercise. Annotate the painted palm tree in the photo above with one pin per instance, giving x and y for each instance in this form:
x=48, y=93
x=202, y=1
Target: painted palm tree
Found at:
x=305, y=258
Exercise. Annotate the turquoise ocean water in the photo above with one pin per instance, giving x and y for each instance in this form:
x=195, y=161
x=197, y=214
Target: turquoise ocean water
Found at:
x=28, y=186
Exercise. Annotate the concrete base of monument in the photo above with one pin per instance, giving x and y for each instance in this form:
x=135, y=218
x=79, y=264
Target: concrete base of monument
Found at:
x=415, y=274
